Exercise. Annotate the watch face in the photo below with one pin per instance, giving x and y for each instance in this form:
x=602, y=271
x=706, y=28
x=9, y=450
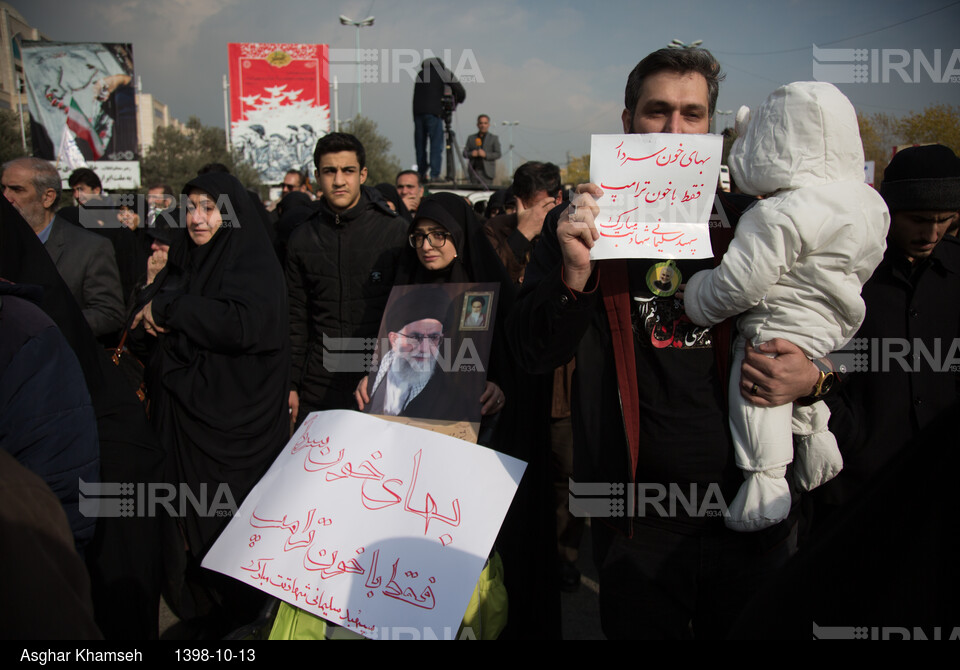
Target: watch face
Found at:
x=826, y=383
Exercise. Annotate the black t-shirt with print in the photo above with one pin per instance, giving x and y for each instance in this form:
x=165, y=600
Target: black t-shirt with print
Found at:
x=684, y=434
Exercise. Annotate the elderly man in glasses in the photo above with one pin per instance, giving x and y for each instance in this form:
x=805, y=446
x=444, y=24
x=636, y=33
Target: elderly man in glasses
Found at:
x=411, y=381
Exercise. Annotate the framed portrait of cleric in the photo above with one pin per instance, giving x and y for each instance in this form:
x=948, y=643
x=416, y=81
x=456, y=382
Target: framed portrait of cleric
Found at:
x=431, y=360
x=476, y=308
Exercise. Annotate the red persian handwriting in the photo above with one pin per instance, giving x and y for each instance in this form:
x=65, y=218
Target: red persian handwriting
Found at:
x=425, y=600
x=429, y=511
x=663, y=157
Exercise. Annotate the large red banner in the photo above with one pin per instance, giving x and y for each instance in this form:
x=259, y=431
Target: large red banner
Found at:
x=279, y=105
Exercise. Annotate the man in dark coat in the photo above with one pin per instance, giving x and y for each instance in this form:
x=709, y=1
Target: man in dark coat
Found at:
x=85, y=261
x=434, y=82
x=340, y=267
x=905, y=360
x=52, y=433
x=537, y=189
x=482, y=150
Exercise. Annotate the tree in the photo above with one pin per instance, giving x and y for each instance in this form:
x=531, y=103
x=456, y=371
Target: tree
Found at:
x=936, y=124
x=578, y=170
x=382, y=166
x=879, y=135
x=11, y=143
x=176, y=156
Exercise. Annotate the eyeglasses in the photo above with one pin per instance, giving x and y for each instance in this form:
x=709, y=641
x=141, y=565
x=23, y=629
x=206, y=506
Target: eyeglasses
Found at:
x=432, y=338
x=436, y=238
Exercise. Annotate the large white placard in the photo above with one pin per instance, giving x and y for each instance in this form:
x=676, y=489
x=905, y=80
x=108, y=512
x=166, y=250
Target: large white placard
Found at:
x=371, y=524
x=112, y=174
x=658, y=194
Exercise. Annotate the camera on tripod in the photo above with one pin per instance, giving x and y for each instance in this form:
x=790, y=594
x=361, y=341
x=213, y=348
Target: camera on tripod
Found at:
x=448, y=102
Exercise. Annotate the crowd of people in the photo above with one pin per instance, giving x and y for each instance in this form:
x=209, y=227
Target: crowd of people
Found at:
x=232, y=310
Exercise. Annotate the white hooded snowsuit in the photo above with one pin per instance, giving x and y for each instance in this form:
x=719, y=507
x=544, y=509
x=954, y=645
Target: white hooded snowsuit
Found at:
x=795, y=270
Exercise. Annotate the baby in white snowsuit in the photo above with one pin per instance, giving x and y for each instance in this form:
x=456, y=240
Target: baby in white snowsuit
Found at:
x=795, y=269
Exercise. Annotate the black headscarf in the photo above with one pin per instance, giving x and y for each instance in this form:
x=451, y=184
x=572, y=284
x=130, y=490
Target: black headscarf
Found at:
x=521, y=427
x=391, y=194
x=476, y=260
x=292, y=210
x=497, y=203
x=223, y=368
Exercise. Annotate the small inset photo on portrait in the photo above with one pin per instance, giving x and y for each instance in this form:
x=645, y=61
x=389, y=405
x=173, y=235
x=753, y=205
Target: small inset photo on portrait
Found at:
x=476, y=311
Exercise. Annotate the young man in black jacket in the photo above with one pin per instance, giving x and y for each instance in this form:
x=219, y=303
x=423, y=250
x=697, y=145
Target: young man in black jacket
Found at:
x=341, y=263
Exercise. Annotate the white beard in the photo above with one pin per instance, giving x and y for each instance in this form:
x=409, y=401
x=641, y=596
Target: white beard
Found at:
x=404, y=381
x=411, y=372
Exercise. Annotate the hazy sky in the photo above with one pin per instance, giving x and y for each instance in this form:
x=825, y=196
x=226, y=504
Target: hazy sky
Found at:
x=558, y=67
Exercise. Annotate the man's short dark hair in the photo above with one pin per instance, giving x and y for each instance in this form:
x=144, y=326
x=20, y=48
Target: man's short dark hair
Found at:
x=403, y=172
x=334, y=143
x=167, y=188
x=681, y=61
x=302, y=176
x=84, y=176
x=534, y=176
x=483, y=116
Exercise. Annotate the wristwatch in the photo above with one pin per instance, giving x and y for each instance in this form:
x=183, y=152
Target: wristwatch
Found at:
x=825, y=383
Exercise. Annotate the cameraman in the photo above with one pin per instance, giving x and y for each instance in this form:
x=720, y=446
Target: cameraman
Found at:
x=434, y=83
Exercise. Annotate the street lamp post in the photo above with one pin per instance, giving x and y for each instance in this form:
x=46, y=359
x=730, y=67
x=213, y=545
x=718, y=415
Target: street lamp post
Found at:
x=721, y=113
x=510, y=124
x=226, y=113
x=358, y=25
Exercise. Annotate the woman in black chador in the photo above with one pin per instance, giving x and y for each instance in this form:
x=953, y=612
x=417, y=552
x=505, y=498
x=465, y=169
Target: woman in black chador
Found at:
x=220, y=377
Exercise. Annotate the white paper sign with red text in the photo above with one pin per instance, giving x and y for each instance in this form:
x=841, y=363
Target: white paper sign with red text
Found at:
x=658, y=194
x=370, y=524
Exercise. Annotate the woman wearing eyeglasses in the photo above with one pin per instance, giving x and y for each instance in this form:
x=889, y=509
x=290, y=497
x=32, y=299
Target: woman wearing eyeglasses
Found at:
x=448, y=246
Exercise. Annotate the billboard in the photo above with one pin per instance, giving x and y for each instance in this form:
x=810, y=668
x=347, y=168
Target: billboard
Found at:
x=279, y=105
x=82, y=101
